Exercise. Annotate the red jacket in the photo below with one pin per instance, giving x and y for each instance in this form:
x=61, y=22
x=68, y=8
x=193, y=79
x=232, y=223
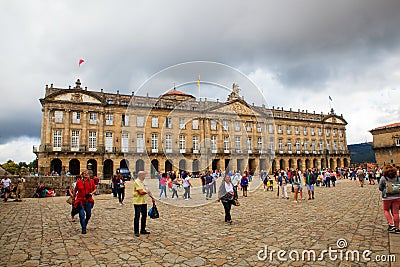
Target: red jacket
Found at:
x=83, y=188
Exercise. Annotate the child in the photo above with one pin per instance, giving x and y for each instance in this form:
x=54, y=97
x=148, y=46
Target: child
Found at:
x=270, y=184
x=244, y=182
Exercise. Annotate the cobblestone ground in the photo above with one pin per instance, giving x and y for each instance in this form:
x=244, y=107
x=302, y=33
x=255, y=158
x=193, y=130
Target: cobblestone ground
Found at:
x=39, y=232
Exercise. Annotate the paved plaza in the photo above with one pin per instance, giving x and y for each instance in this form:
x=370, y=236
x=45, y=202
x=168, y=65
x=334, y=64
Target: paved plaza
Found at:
x=39, y=232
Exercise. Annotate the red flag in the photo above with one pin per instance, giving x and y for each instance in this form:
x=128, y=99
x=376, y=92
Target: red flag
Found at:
x=80, y=62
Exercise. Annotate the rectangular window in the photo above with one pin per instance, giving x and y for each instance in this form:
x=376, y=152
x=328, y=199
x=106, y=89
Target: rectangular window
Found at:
x=248, y=126
x=280, y=145
x=312, y=131
x=125, y=142
x=319, y=131
x=259, y=143
x=321, y=146
x=237, y=143
x=182, y=124
x=279, y=129
x=397, y=142
x=340, y=133
x=75, y=141
x=125, y=120
x=327, y=132
x=154, y=122
x=58, y=116
x=57, y=140
x=92, y=118
x=214, y=143
x=109, y=119
x=226, y=142
x=298, y=145
x=328, y=146
x=306, y=145
x=296, y=129
x=333, y=132
x=288, y=129
x=182, y=142
x=313, y=146
x=341, y=145
x=92, y=141
x=237, y=126
x=289, y=145
x=334, y=146
x=109, y=142
x=225, y=125
x=195, y=124
x=249, y=146
x=270, y=128
x=168, y=143
x=259, y=127
x=154, y=142
x=168, y=123
x=76, y=117
x=195, y=142
x=305, y=130
x=213, y=125
x=140, y=121
x=140, y=143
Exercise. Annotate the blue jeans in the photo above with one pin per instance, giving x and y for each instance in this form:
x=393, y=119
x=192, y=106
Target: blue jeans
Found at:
x=86, y=208
x=163, y=189
x=209, y=190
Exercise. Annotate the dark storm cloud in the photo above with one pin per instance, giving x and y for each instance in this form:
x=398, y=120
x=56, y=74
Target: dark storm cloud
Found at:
x=19, y=125
x=305, y=44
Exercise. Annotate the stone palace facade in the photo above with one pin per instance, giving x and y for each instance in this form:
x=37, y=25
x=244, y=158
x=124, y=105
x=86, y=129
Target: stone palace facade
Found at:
x=386, y=140
x=104, y=131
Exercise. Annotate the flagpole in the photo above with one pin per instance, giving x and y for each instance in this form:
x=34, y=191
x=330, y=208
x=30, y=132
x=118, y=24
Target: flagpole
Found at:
x=198, y=85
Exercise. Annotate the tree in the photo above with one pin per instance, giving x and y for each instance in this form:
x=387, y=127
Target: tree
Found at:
x=11, y=167
x=33, y=164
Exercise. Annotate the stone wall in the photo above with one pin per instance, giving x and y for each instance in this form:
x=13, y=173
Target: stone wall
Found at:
x=58, y=183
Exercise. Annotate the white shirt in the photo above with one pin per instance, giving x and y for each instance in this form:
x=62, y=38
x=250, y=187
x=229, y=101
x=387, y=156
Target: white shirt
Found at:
x=185, y=182
x=6, y=182
x=228, y=187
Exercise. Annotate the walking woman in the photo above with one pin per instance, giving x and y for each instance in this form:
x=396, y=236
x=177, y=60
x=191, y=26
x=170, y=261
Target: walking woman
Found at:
x=225, y=195
x=391, y=203
x=84, y=191
x=163, y=185
x=120, y=183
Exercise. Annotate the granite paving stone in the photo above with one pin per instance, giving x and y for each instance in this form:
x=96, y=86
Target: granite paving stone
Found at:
x=39, y=232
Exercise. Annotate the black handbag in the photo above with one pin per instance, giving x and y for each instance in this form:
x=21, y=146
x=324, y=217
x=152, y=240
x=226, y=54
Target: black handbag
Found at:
x=153, y=212
x=227, y=197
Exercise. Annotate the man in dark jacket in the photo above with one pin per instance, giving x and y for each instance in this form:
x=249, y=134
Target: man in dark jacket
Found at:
x=310, y=181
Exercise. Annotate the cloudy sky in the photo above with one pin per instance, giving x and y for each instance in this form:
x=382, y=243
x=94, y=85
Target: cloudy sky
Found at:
x=297, y=52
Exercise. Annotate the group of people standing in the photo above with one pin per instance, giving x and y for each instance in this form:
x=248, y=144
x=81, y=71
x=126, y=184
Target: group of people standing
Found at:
x=17, y=188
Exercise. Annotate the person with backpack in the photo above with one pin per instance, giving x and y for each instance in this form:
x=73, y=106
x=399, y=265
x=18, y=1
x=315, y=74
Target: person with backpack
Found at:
x=244, y=183
x=361, y=176
x=389, y=185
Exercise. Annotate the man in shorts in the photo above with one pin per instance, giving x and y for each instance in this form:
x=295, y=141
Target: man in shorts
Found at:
x=6, y=182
